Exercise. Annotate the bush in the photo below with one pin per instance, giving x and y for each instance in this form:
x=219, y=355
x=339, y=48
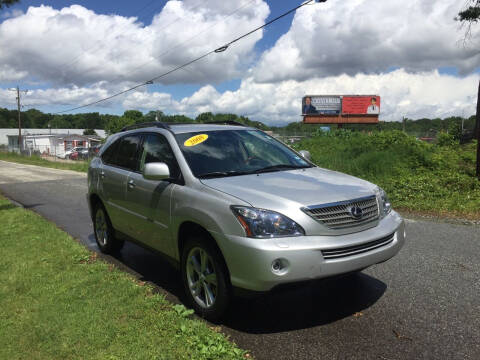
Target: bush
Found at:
x=445, y=139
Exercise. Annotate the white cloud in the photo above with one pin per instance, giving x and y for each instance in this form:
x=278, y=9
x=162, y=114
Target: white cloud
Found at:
x=414, y=95
x=146, y=101
x=76, y=46
x=56, y=96
x=371, y=37
x=7, y=73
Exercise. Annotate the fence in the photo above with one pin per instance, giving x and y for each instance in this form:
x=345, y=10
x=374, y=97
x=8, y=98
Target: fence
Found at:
x=50, y=152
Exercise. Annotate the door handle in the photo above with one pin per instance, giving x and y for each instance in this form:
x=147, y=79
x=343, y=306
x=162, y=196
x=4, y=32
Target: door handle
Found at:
x=102, y=174
x=131, y=184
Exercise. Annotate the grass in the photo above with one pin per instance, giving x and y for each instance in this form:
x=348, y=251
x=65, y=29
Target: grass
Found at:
x=418, y=177
x=81, y=166
x=59, y=301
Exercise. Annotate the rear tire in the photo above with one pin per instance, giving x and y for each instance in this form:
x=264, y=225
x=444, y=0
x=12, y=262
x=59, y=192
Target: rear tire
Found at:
x=205, y=278
x=104, y=233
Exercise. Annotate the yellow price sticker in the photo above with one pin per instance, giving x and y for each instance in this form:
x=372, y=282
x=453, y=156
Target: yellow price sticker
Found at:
x=195, y=140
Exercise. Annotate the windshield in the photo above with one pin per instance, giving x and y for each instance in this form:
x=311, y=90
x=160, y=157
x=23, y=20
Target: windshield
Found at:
x=236, y=152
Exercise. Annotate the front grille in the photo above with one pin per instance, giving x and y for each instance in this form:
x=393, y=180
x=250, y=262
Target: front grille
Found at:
x=338, y=215
x=357, y=249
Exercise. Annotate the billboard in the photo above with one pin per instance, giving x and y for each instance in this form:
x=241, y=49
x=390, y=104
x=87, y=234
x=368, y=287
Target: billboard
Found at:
x=317, y=105
x=321, y=105
x=361, y=105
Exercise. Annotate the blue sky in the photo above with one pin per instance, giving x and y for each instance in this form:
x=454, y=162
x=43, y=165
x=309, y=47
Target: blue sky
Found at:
x=71, y=53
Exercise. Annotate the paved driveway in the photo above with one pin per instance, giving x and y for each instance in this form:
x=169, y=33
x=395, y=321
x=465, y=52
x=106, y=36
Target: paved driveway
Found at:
x=422, y=304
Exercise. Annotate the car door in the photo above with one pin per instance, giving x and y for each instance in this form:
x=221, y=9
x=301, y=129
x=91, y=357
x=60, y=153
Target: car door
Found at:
x=149, y=200
x=118, y=161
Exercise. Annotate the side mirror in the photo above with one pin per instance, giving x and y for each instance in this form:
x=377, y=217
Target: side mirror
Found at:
x=305, y=154
x=156, y=171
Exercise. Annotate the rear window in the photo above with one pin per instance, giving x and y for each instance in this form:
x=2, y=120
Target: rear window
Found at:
x=123, y=152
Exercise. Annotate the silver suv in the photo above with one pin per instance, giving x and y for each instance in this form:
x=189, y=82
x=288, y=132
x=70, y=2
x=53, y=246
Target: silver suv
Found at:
x=235, y=209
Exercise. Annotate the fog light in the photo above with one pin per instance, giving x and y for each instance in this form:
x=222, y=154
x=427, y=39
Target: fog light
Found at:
x=280, y=266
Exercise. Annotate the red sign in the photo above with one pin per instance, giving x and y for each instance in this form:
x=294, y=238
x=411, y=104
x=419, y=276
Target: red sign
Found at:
x=361, y=105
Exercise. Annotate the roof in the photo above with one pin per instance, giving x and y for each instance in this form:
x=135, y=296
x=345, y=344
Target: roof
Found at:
x=64, y=136
x=180, y=128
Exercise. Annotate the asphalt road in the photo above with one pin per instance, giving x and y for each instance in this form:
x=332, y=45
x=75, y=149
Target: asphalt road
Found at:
x=422, y=304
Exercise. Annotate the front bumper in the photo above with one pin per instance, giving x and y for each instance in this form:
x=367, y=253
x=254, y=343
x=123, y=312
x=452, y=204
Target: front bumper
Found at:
x=250, y=260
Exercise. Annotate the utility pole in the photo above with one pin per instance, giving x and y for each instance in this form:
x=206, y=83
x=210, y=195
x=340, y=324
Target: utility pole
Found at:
x=19, y=116
x=19, y=121
x=477, y=132
x=404, y=123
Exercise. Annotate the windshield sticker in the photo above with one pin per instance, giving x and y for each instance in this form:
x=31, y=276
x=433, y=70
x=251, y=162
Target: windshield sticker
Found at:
x=195, y=140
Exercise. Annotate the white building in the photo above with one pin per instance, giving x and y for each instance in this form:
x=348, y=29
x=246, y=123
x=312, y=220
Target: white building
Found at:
x=54, y=144
x=11, y=131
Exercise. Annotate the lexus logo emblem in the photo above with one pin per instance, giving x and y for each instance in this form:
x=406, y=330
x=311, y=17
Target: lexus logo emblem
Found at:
x=356, y=212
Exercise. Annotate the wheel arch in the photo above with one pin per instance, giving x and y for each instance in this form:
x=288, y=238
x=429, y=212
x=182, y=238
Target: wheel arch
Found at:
x=93, y=201
x=190, y=228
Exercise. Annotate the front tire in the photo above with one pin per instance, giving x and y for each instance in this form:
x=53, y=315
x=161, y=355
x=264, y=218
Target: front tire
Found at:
x=205, y=278
x=104, y=233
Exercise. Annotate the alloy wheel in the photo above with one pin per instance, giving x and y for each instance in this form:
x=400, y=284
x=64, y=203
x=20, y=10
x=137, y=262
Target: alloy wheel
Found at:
x=101, y=227
x=201, y=277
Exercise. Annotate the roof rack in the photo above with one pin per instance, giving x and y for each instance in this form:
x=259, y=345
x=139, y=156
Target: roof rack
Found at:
x=228, y=122
x=146, y=124
x=166, y=126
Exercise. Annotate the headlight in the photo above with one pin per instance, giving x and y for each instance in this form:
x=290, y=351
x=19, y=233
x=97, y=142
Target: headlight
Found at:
x=383, y=202
x=259, y=223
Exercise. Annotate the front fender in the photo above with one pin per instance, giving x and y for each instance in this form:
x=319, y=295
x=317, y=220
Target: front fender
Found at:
x=207, y=208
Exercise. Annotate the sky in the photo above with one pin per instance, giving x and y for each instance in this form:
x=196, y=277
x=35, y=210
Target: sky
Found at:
x=68, y=54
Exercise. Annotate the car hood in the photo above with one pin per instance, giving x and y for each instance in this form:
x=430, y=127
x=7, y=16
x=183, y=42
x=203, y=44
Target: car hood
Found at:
x=302, y=187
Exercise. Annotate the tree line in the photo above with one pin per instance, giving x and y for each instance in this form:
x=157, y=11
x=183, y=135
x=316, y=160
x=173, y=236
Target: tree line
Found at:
x=424, y=127
x=35, y=119
x=113, y=123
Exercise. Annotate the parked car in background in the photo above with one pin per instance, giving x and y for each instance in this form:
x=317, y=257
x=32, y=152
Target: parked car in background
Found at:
x=83, y=153
x=73, y=150
x=234, y=209
x=73, y=155
x=93, y=151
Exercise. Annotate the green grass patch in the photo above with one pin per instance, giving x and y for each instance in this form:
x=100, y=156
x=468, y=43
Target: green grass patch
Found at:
x=417, y=176
x=59, y=301
x=81, y=166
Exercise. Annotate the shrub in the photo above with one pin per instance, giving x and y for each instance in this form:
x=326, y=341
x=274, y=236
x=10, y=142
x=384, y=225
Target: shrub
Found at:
x=444, y=139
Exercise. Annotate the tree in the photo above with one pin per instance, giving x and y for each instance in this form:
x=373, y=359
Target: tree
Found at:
x=7, y=3
x=471, y=13
x=89, y=132
x=134, y=115
x=204, y=117
x=469, y=16
x=152, y=115
x=116, y=124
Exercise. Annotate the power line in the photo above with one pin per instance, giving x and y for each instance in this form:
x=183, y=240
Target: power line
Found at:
x=217, y=50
